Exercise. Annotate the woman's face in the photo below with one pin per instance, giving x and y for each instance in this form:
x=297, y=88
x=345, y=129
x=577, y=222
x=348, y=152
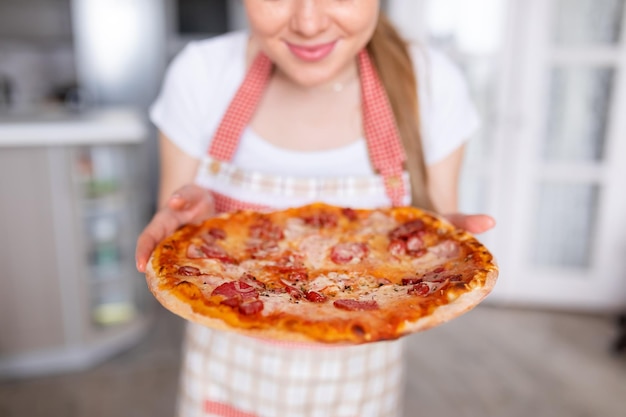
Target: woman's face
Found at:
x=312, y=41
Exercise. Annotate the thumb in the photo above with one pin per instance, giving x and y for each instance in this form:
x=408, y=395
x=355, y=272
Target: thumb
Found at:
x=473, y=223
x=185, y=197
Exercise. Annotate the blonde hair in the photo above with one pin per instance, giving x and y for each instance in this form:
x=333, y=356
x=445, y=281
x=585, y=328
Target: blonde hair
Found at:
x=390, y=55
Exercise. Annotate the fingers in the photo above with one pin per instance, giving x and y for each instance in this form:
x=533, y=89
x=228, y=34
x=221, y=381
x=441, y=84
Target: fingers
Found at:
x=473, y=223
x=479, y=223
x=145, y=246
x=162, y=225
x=189, y=204
x=186, y=197
x=197, y=209
x=176, y=202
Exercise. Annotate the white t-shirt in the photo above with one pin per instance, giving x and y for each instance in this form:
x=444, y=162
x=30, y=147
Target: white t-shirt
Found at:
x=202, y=80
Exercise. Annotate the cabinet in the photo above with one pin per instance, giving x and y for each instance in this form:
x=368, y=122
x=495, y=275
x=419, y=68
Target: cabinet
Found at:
x=73, y=200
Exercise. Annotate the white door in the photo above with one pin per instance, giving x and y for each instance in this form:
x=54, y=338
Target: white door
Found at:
x=549, y=77
x=568, y=211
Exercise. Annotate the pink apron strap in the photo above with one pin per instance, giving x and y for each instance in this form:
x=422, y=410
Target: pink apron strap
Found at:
x=241, y=109
x=381, y=131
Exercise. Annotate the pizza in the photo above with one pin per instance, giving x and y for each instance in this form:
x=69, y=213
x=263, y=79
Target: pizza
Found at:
x=320, y=273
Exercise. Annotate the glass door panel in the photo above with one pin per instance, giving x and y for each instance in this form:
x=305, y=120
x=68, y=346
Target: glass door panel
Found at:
x=578, y=113
x=588, y=22
x=566, y=216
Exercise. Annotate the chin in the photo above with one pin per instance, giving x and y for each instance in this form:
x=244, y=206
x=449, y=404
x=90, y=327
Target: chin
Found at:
x=310, y=76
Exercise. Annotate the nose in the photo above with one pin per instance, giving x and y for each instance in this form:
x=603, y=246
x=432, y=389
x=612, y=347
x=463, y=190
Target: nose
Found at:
x=309, y=17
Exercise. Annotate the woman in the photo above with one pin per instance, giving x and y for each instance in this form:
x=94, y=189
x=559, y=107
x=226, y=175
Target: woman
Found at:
x=319, y=102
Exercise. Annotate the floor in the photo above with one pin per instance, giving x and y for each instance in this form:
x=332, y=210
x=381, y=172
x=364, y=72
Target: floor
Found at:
x=491, y=362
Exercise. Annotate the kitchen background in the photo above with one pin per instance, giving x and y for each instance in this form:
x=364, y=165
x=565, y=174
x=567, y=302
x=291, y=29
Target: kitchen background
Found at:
x=80, y=335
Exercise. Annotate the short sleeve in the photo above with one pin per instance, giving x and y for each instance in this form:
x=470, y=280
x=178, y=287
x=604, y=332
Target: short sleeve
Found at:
x=182, y=107
x=448, y=115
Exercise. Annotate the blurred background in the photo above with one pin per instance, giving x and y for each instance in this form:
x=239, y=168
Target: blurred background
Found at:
x=81, y=336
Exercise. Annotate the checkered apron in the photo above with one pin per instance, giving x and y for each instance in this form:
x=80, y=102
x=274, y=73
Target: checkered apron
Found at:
x=226, y=374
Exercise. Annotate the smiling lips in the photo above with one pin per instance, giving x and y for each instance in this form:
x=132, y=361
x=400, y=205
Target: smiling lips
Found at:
x=312, y=53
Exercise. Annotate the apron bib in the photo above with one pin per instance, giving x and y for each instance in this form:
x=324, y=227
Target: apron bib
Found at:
x=229, y=375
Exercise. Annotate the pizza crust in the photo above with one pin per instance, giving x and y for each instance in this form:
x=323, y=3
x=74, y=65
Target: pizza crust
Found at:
x=464, y=303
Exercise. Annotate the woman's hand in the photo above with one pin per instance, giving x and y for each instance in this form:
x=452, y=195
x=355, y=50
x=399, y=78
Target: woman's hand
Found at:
x=473, y=223
x=190, y=204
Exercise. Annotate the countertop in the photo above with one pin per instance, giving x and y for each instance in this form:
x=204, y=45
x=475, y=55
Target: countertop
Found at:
x=60, y=127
